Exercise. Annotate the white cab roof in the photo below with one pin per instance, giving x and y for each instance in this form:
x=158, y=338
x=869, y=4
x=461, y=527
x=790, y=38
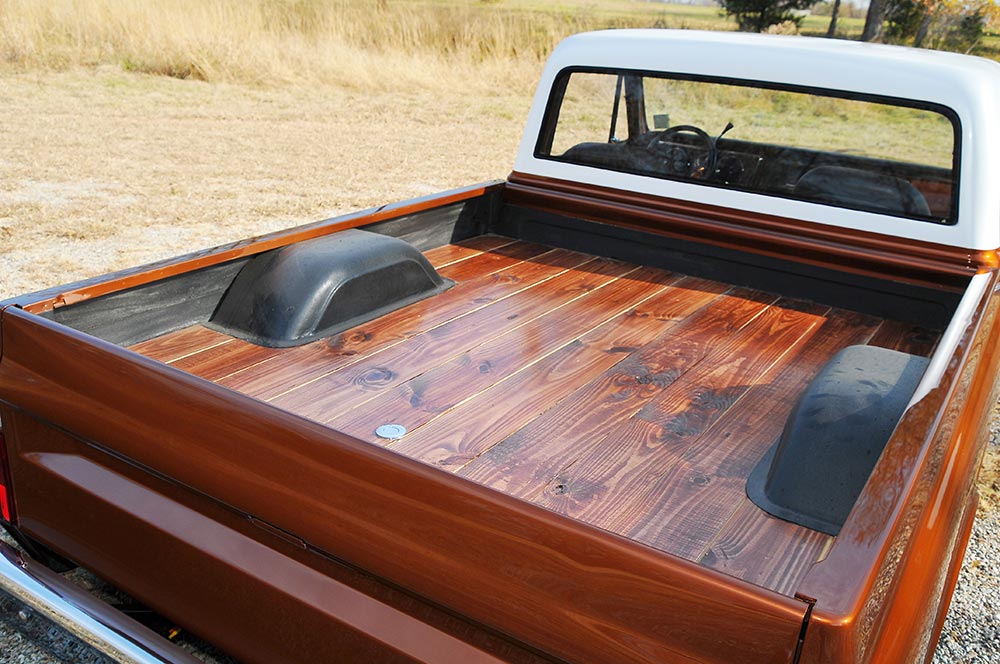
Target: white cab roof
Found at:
x=969, y=86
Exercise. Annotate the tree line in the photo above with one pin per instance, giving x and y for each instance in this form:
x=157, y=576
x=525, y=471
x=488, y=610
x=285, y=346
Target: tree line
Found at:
x=955, y=25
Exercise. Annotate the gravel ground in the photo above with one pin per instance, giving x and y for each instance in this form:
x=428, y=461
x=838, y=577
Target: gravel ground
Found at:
x=15, y=649
x=972, y=631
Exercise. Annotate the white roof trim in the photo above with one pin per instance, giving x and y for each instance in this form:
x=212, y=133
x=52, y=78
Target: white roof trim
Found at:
x=969, y=86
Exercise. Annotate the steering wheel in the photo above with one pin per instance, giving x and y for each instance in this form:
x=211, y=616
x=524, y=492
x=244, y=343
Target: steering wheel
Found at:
x=677, y=156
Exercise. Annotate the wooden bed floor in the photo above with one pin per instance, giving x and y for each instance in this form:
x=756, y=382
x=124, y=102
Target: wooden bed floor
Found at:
x=627, y=397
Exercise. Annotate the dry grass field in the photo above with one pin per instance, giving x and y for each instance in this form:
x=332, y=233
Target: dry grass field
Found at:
x=134, y=131
x=103, y=169
x=331, y=41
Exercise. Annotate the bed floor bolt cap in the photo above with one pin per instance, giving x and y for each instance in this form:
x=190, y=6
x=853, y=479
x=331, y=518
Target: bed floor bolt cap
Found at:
x=391, y=431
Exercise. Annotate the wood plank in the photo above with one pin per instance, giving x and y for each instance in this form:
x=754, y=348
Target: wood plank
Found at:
x=495, y=260
x=694, y=495
x=172, y=346
x=222, y=360
x=763, y=550
x=329, y=396
x=481, y=281
x=459, y=251
x=453, y=439
x=528, y=459
x=372, y=508
x=906, y=337
x=632, y=464
x=433, y=392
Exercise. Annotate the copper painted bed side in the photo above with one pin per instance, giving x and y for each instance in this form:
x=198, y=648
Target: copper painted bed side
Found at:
x=903, y=541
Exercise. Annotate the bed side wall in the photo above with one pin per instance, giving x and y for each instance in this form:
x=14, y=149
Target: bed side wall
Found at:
x=911, y=523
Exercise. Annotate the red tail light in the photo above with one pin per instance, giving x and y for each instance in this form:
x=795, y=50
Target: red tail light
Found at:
x=6, y=501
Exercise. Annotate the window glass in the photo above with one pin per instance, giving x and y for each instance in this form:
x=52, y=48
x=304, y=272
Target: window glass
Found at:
x=855, y=153
x=588, y=107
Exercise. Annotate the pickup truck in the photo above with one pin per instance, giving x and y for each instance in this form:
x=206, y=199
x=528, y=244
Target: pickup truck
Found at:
x=705, y=379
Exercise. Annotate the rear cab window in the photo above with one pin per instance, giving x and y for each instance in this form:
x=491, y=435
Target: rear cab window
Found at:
x=888, y=156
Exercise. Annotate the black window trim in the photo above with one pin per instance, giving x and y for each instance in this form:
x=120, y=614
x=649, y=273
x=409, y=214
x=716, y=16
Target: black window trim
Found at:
x=546, y=133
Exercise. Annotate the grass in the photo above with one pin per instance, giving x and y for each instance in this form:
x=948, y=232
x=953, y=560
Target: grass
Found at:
x=104, y=169
x=335, y=41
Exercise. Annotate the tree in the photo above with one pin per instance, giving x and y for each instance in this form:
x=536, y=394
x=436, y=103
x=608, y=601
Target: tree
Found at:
x=953, y=25
x=831, y=32
x=873, y=20
x=759, y=15
x=905, y=19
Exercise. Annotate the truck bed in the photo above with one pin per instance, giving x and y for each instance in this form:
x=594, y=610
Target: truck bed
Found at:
x=630, y=398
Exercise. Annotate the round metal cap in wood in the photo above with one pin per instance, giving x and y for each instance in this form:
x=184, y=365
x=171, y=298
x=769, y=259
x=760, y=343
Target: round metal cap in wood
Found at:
x=391, y=431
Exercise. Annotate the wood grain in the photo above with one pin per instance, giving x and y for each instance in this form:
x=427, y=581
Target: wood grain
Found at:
x=480, y=281
x=465, y=249
x=764, y=550
x=443, y=387
x=458, y=436
x=496, y=560
x=219, y=361
x=489, y=262
x=625, y=397
x=172, y=346
x=906, y=337
x=694, y=498
x=474, y=263
x=331, y=395
x=525, y=462
x=616, y=484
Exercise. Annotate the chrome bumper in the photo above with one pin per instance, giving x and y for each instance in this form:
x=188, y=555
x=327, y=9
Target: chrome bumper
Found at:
x=86, y=618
